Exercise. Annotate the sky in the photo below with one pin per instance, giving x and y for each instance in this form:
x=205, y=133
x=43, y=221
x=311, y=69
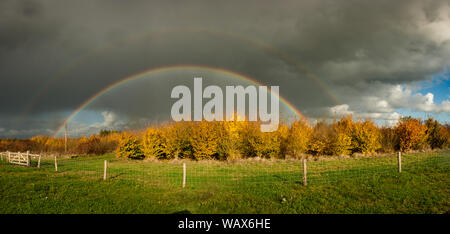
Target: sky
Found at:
x=372, y=59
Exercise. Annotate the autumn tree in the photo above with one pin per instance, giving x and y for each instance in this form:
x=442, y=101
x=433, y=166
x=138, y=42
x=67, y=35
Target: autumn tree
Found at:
x=437, y=136
x=299, y=135
x=130, y=148
x=411, y=134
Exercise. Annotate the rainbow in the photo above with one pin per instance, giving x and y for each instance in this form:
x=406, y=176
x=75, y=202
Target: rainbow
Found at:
x=169, y=68
x=258, y=44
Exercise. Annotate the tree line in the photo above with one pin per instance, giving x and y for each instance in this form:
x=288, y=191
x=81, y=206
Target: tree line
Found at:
x=243, y=139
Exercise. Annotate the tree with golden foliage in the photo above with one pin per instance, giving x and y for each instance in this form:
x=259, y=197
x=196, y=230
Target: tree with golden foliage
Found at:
x=178, y=136
x=205, y=139
x=255, y=143
x=299, y=135
x=339, y=140
x=319, y=139
x=365, y=137
x=154, y=143
x=437, y=136
x=130, y=148
x=411, y=134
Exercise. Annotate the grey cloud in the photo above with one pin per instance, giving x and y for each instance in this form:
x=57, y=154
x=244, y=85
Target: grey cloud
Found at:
x=355, y=47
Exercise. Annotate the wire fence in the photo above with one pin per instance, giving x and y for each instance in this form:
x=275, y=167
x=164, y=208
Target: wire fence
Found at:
x=189, y=174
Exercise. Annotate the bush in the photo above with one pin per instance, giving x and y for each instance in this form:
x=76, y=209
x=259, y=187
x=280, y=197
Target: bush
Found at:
x=299, y=136
x=319, y=139
x=155, y=143
x=340, y=137
x=389, y=140
x=365, y=137
x=437, y=136
x=90, y=146
x=130, y=148
x=178, y=137
x=259, y=144
x=411, y=134
x=205, y=139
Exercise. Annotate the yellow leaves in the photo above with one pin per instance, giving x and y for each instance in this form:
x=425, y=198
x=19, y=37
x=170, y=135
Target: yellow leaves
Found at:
x=129, y=147
x=411, y=134
x=299, y=137
x=237, y=139
x=206, y=138
x=154, y=143
x=365, y=137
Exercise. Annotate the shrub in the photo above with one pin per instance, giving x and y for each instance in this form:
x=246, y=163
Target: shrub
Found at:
x=130, y=147
x=365, y=137
x=437, y=136
x=205, y=139
x=389, y=140
x=155, y=143
x=91, y=146
x=319, y=139
x=259, y=144
x=178, y=137
x=340, y=137
x=299, y=136
x=411, y=134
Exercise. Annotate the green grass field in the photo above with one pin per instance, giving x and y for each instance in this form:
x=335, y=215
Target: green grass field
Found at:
x=353, y=185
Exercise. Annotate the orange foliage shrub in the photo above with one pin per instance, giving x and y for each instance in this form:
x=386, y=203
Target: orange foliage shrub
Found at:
x=411, y=134
x=90, y=146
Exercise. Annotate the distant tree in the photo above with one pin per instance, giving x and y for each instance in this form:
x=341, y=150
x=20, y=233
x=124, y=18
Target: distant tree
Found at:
x=105, y=132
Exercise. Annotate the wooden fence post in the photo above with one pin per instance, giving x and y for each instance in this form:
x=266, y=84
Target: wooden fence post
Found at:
x=39, y=161
x=8, y=156
x=28, y=158
x=104, y=171
x=399, y=161
x=56, y=165
x=184, y=175
x=304, y=172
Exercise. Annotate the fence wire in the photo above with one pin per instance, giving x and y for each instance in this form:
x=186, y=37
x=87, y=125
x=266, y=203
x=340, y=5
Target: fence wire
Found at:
x=209, y=174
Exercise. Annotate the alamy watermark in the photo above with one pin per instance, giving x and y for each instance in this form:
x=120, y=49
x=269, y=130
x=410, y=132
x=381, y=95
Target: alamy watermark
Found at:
x=213, y=109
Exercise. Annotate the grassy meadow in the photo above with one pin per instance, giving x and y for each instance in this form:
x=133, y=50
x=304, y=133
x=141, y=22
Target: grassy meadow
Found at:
x=335, y=185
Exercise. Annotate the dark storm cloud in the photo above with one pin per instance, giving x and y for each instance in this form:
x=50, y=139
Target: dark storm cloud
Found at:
x=356, y=48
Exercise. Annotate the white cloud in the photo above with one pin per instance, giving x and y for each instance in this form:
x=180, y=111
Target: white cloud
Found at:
x=402, y=97
x=110, y=121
